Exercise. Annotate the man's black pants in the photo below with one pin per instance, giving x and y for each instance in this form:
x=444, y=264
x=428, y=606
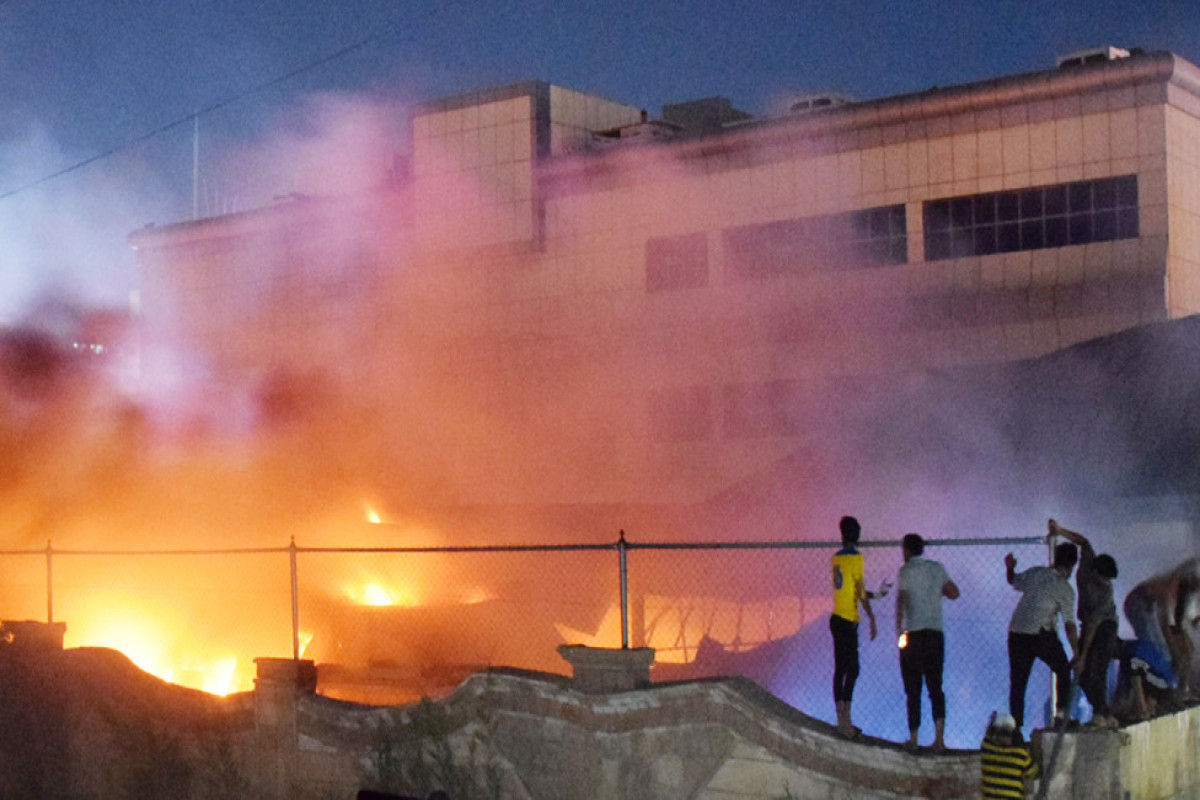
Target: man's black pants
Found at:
x=1094, y=680
x=845, y=657
x=921, y=659
x=1023, y=648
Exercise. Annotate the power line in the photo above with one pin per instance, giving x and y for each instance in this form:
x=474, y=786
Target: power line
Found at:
x=188, y=118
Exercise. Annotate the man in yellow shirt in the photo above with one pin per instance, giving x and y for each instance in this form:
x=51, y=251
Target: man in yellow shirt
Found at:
x=849, y=591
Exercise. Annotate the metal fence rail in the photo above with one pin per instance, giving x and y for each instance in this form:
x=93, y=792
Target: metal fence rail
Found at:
x=389, y=624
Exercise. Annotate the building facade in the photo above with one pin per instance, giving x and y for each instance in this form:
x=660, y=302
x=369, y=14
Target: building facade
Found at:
x=678, y=303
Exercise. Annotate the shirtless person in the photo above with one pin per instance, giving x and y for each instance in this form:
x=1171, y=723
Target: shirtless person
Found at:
x=1165, y=611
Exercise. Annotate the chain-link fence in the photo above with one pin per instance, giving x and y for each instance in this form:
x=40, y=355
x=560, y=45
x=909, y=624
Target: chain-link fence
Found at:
x=390, y=625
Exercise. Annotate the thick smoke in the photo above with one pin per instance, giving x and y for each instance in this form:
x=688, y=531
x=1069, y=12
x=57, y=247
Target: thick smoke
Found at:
x=63, y=237
x=449, y=401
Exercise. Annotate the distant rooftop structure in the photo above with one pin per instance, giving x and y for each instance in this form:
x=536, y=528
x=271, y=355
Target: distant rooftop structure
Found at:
x=803, y=103
x=1092, y=55
x=636, y=133
x=706, y=114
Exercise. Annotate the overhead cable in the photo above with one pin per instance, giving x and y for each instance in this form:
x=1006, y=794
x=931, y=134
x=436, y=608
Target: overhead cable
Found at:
x=188, y=118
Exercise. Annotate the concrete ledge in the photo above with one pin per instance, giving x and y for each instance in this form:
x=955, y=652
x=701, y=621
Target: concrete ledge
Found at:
x=597, y=670
x=33, y=637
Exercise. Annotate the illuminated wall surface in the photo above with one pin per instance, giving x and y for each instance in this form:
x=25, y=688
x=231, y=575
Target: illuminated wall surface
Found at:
x=559, y=302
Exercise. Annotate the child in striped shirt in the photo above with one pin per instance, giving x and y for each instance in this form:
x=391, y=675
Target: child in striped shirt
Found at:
x=1006, y=765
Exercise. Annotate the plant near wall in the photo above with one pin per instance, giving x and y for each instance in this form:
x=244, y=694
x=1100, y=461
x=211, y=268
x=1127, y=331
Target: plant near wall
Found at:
x=222, y=774
x=418, y=756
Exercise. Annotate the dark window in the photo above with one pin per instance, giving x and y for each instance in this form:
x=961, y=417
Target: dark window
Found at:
x=985, y=240
x=1031, y=219
x=1079, y=196
x=676, y=262
x=871, y=237
x=1031, y=235
x=1056, y=201
x=1008, y=206
x=985, y=209
x=1056, y=232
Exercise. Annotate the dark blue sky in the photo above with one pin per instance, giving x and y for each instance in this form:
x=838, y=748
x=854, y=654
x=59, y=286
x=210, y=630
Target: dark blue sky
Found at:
x=82, y=78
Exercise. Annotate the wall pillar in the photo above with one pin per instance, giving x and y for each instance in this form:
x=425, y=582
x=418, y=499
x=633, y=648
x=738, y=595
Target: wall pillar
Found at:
x=280, y=683
x=598, y=670
x=1082, y=765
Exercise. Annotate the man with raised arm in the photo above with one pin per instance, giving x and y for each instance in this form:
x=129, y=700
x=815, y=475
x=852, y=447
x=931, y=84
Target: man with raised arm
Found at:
x=1097, y=623
x=1046, y=595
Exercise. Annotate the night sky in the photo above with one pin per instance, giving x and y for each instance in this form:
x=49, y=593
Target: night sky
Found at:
x=102, y=92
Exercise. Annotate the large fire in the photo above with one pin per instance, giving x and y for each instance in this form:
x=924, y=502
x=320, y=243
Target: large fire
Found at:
x=146, y=635
x=377, y=600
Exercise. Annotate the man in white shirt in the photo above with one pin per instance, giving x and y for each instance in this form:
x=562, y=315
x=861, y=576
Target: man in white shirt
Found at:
x=1046, y=595
x=923, y=584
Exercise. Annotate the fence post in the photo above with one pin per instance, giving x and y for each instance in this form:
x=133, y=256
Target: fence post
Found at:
x=295, y=603
x=621, y=556
x=1053, y=710
x=49, y=583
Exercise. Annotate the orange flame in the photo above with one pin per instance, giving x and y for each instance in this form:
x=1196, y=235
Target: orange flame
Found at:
x=374, y=593
x=144, y=639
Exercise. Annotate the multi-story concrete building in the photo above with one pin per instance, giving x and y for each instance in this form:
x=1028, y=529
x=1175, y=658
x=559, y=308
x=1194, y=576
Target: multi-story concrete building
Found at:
x=568, y=301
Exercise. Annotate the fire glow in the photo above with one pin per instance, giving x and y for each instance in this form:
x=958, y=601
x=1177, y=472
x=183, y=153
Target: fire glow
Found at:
x=142, y=637
x=376, y=594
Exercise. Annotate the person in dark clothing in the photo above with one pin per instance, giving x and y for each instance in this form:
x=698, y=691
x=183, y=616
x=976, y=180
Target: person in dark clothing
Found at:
x=1097, y=623
x=1046, y=595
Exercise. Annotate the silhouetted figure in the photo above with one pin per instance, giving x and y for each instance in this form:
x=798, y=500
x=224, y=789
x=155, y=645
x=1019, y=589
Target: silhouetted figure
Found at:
x=1046, y=595
x=849, y=591
x=1097, y=623
x=923, y=583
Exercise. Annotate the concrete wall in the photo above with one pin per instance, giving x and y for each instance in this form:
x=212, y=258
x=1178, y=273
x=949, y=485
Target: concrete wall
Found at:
x=1182, y=134
x=1160, y=760
x=536, y=737
x=509, y=734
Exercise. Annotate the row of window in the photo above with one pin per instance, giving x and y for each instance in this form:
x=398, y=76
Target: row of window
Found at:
x=871, y=237
x=874, y=236
x=1032, y=219
x=975, y=225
